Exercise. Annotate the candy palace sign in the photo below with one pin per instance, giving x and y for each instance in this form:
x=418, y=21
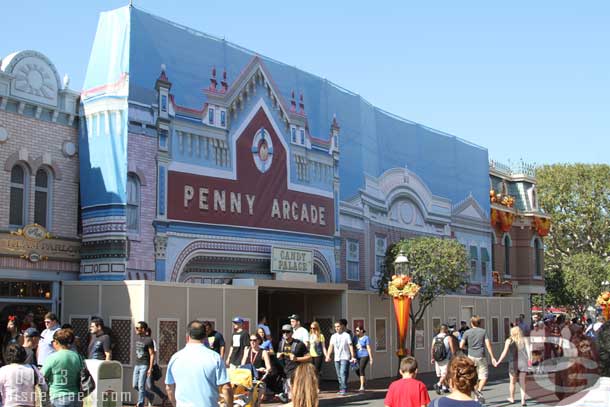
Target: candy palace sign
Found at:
x=34, y=243
x=285, y=260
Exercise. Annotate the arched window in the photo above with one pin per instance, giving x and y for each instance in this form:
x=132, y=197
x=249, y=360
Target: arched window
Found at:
x=537, y=258
x=18, y=196
x=133, y=204
x=507, y=255
x=42, y=205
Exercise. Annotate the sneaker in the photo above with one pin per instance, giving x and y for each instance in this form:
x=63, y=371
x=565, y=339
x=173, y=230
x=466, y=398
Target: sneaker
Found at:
x=446, y=390
x=437, y=388
x=478, y=396
x=283, y=398
x=342, y=392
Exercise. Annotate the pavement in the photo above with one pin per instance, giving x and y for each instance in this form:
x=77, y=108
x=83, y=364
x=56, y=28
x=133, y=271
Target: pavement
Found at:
x=495, y=392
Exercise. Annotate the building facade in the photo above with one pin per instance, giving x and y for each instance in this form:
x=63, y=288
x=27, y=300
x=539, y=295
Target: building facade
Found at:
x=519, y=227
x=39, y=236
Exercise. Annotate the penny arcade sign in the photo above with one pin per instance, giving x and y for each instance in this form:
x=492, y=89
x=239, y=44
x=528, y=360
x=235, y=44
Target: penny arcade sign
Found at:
x=259, y=197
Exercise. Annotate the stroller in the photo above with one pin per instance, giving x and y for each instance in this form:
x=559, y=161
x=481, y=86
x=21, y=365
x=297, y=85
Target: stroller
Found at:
x=246, y=390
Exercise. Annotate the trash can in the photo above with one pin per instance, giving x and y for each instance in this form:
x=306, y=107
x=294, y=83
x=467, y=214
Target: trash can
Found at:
x=108, y=377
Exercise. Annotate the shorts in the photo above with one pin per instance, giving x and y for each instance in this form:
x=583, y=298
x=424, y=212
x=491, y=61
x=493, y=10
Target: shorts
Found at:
x=441, y=367
x=481, y=365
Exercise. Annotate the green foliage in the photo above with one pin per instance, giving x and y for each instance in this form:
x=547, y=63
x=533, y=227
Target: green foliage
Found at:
x=585, y=273
x=438, y=266
x=577, y=196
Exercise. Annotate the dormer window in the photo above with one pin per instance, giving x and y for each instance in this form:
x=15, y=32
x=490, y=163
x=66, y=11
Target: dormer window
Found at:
x=302, y=134
x=211, y=115
x=293, y=134
x=163, y=103
x=223, y=118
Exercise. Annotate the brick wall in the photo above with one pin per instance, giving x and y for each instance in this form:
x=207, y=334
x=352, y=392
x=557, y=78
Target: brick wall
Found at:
x=522, y=256
x=141, y=157
x=39, y=137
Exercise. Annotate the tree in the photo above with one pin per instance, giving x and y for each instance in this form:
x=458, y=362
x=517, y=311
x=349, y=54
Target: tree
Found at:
x=577, y=196
x=586, y=273
x=438, y=266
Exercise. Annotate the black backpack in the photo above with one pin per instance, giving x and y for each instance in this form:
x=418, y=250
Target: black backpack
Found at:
x=439, y=352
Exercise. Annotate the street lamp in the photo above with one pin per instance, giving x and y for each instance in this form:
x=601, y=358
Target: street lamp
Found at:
x=402, y=290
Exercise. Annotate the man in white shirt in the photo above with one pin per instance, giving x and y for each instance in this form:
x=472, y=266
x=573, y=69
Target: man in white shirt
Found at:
x=45, y=346
x=299, y=332
x=341, y=345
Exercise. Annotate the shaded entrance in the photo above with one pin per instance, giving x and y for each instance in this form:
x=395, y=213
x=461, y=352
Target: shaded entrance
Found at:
x=324, y=303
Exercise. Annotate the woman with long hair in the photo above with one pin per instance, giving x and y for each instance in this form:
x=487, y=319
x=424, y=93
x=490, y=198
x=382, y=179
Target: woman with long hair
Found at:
x=265, y=343
x=12, y=335
x=257, y=357
x=519, y=356
x=462, y=377
x=317, y=346
x=363, y=354
x=305, y=386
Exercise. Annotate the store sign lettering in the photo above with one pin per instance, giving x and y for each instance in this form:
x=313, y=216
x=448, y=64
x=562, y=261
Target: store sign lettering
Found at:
x=284, y=260
x=34, y=243
x=238, y=203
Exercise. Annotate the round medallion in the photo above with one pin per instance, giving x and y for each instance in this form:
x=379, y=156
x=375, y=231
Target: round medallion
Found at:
x=262, y=150
x=69, y=148
x=3, y=135
x=406, y=212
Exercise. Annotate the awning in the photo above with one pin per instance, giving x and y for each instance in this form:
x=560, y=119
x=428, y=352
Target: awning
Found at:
x=484, y=254
x=474, y=253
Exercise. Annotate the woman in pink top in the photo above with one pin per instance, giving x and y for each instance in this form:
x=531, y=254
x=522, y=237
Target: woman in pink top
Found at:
x=17, y=380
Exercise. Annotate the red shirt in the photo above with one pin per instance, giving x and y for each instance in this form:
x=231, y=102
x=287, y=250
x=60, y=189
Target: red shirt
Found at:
x=407, y=393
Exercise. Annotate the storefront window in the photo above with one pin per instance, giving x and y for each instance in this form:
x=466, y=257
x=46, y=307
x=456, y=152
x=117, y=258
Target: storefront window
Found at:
x=25, y=289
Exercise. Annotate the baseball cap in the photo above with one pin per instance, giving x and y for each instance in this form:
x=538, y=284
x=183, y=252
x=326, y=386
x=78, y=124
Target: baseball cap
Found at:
x=287, y=328
x=238, y=320
x=295, y=316
x=31, y=332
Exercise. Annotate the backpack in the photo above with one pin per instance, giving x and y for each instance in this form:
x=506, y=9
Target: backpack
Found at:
x=439, y=351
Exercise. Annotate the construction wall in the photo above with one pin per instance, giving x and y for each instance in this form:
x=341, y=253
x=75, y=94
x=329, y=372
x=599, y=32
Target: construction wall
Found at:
x=168, y=307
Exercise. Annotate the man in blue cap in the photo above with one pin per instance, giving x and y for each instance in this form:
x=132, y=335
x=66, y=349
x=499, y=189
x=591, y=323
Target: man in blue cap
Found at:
x=239, y=342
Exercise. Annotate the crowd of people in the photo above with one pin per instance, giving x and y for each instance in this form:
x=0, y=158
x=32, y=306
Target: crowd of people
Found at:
x=289, y=367
x=551, y=344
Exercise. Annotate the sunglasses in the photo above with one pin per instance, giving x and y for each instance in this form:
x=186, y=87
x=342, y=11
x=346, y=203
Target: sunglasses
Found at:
x=253, y=340
x=286, y=332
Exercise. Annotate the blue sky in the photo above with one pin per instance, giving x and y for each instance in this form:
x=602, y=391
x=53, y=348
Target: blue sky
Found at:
x=527, y=80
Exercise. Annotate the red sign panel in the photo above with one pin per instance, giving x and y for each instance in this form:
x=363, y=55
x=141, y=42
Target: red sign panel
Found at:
x=259, y=197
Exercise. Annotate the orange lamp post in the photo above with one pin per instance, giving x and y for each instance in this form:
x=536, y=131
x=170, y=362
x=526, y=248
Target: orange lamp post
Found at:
x=402, y=290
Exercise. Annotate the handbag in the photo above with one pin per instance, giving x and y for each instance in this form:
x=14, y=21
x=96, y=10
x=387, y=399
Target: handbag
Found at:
x=87, y=384
x=156, y=372
x=41, y=398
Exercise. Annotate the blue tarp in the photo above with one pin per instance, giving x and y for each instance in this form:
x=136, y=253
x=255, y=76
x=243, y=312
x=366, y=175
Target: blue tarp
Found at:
x=372, y=141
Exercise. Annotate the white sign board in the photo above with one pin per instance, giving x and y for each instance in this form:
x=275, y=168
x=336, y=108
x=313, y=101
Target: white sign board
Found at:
x=285, y=260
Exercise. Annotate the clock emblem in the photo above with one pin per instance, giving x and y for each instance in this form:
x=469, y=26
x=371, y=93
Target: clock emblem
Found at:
x=262, y=150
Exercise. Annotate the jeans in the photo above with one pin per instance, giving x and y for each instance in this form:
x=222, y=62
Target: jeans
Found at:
x=139, y=384
x=150, y=383
x=341, y=367
x=67, y=401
